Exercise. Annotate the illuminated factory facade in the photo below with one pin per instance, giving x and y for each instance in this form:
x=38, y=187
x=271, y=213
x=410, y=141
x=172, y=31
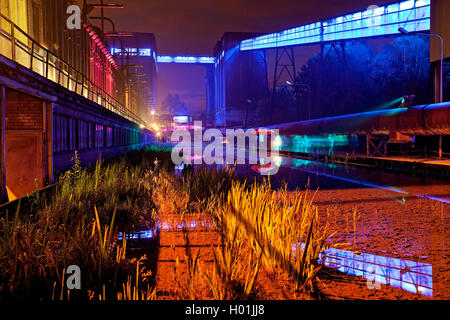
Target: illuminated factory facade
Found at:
x=137, y=57
x=240, y=81
x=247, y=84
x=249, y=72
x=60, y=91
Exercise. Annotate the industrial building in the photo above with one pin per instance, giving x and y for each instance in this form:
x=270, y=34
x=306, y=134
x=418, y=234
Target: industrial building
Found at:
x=136, y=55
x=60, y=90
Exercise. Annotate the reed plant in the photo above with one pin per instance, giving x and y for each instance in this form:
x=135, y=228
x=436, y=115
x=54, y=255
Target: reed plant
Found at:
x=132, y=291
x=281, y=227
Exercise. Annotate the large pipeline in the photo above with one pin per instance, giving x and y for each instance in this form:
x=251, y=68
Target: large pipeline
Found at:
x=419, y=120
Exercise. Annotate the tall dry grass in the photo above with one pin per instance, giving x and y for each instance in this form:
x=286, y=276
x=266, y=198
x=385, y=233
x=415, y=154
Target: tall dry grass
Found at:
x=77, y=224
x=275, y=232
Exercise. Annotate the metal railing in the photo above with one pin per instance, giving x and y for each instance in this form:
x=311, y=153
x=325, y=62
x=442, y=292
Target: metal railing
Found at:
x=17, y=45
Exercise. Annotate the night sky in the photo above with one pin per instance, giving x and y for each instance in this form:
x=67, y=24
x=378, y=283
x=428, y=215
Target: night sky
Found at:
x=192, y=27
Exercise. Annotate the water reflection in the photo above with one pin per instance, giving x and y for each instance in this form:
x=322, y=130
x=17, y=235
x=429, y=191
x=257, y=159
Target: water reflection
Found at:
x=411, y=276
x=190, y=225
x=143, y=234
x=183, y=225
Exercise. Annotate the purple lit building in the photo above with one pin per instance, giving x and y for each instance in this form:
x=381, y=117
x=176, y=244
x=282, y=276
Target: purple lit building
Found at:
x=137, y=57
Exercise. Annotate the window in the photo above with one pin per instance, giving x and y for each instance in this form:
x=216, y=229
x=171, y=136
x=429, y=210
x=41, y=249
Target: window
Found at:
x=59, y=133
x=91, y=135
x=109, y=137
x=123, y=140
x=83, y=134
x=99, y=136
x=135, y=137
x=73, y=133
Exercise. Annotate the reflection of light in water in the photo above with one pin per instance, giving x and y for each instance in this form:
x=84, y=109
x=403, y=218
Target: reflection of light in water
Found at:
x=164, y=226
x=316, y=144
x=388, y=188
x=411, y=276
x=277, y=161
x=277, y=143
x=434, y=198
x=296, y=162
x=192, y=224
x=195, y=157
x=180, y=167
x=268, y=166
x=145, y=234
x=301, y=164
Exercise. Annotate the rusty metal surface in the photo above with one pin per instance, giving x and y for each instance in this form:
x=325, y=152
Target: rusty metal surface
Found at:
x=419, y=120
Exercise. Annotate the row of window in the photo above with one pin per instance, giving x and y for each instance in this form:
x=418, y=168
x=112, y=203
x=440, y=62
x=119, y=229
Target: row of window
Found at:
x=71, y=134
x=413, y=15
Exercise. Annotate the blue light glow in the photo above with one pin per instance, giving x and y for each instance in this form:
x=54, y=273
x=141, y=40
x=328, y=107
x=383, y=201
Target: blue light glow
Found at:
x=165, y=59
x=144, y=52
x=145, y=234
x=186, y=59
x=315, y=144
x=412, y=276
x=434, y=198
x=181, y=119
x=413, y=15
x=366, y=184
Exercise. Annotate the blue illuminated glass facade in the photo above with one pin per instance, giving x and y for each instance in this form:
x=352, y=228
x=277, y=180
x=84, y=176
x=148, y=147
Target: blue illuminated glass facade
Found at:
x=146, y=52
x=412, y=276
x=186, y=59
x=413, y=15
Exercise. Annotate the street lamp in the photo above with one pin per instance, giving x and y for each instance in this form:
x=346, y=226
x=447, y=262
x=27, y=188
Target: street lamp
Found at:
x=407, y=33
x=303, y=85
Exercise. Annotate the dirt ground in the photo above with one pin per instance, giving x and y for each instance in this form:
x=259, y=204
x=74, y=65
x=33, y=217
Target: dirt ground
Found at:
x=394, y=225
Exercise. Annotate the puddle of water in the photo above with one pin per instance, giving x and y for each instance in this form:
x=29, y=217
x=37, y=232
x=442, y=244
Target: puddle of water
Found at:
x=166, y=226
x=192, y=224
x=143, y=234
x=411, y=276
x=434, y=198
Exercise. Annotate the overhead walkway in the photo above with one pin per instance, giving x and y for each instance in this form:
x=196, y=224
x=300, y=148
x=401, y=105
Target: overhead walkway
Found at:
x=413, y=15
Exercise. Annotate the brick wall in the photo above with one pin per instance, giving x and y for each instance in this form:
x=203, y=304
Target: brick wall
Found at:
x=23, y=111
